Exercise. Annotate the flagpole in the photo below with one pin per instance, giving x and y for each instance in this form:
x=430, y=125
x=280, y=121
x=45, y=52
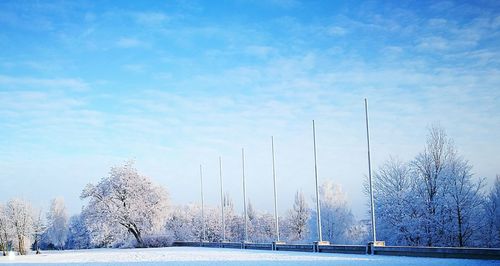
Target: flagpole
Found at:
x=202, y=206
x=318, y=209
x=275, y=194
x=222, y=201
x=244, y=193
x=374, y=235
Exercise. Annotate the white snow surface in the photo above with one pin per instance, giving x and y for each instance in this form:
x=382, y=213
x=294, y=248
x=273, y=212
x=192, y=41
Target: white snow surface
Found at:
x=215, y=256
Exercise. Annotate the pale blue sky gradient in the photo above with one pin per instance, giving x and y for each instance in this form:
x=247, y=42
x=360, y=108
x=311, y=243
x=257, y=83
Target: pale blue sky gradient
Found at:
x=85, y=85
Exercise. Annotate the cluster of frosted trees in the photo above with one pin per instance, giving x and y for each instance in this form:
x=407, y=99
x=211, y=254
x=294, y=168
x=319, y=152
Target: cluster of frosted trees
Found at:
x=128, y=209
x=23, y=228
x=434, y=200
x=296, y=225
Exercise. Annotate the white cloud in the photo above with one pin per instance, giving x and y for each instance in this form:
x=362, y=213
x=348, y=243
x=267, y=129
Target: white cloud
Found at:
x=126, y=42
x=151, y=18
x=137, y=68
x=259, y=50
x=29, y=82
x=336, y=31
x=435, y=43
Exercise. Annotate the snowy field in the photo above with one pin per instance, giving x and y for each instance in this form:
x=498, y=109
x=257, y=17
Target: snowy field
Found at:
x=213, y=256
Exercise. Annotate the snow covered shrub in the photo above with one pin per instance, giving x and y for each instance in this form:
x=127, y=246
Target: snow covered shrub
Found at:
x=157, y=241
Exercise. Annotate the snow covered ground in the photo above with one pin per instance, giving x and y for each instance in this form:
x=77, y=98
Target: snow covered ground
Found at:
x=213, y=256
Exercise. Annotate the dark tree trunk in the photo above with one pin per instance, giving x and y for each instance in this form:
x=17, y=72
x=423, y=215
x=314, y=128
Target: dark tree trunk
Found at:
x=460, y=234
x=137, y=235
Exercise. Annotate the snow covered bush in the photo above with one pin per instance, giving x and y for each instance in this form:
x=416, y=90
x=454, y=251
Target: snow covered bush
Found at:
x=125, y=200
x=157, y=241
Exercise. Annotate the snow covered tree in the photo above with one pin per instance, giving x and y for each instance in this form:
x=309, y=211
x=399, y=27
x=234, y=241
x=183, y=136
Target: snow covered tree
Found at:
x=57, y=219
x=213, y=224
x=336, y=216
x=260, y=225
x=262, y=228
x=20, y=215
x=396, y=210
x=39, y=228
x=181, y=223
x=298, y=219
x=5, y=230
x=431, y=174
x=128, y=200
x=491, y=233
x=78, y=234
x=465, y=200
x=433, y=201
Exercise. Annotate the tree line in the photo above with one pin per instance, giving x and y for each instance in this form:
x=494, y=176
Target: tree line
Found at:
x=432, y=200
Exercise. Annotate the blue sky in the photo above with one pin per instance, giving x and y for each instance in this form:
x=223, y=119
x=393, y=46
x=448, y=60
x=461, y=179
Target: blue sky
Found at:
x=86, y=85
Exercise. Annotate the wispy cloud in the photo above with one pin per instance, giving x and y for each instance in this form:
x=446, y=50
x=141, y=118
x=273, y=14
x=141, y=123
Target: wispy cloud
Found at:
x=126, y=42
x=30, y=82
x=150, y=18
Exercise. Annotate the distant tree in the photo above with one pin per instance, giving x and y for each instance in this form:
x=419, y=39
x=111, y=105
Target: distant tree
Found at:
x=181, y=223
x=491, y=234
x=213, y=224
x=78, y=234
x=263, y=228
x=20, y=215
x=57, y=219
x=129, y=200
x=39, y=228
x=336, y=216
x=260, y=225
x=5, y=230
x=298, y=218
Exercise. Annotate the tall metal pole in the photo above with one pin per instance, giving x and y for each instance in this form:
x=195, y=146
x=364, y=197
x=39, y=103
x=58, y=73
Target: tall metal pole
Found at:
x=275, y=195
x=374, y=235
x=202, y=206
x=222, y=201
x=318, y=209
x=244, y=193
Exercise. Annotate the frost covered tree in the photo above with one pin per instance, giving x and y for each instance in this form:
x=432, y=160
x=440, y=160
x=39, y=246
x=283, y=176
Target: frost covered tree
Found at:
x=128, y=200
x=39, y=228
x=5, y=230
x=336, y=216
x=20, y=216
x=298, y=219
x=465, y=200
x=396, y=210
x=434, y=200
x=78, y=234
x=431, y=175
x=260, y=225
x=181, y=223
x=57, y=219
x=491, y=234
x=213, y=224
